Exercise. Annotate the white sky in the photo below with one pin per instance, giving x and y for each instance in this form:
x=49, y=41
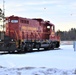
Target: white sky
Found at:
x=62, y=13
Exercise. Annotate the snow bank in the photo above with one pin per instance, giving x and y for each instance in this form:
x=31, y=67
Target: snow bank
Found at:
x=61, y=61
x=35, y=71
x=66, y=42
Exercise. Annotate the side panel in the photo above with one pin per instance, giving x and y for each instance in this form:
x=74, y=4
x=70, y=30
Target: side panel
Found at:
x=30, y=30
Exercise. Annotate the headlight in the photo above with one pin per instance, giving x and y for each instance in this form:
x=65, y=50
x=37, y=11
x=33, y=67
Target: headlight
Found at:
x=12, y=40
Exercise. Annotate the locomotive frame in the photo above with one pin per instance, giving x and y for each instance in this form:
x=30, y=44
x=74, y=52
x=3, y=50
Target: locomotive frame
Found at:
x=24, y=34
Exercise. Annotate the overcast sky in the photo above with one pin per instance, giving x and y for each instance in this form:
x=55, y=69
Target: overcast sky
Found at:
x=62, y=13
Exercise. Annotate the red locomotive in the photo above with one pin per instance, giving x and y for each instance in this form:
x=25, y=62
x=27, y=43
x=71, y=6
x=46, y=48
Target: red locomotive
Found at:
x=27, y=34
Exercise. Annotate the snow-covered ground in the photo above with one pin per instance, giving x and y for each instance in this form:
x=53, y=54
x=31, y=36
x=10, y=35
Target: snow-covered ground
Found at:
x=52, y=62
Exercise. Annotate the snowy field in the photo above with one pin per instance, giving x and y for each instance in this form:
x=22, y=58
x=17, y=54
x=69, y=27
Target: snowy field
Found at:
x=52, y=62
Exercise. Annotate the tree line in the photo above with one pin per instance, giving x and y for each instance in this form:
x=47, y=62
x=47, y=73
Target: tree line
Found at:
x=67, y=35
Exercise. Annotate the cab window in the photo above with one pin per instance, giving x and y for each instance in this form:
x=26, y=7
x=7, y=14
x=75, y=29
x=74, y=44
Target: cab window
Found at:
x=14, y=21
x=48, y=27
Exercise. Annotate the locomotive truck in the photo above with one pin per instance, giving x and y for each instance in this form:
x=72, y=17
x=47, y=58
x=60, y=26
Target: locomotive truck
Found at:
x=24, y=34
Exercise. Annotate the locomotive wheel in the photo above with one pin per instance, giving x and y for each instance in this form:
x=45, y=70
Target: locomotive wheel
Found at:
x=57, y=44
x=53, y=46
x=38, y=46
x=46, y=48
x=29, y=47
x=49, y=47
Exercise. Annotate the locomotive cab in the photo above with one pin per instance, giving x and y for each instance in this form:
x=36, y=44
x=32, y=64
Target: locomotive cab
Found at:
x=47, y=28
x=12, y=27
